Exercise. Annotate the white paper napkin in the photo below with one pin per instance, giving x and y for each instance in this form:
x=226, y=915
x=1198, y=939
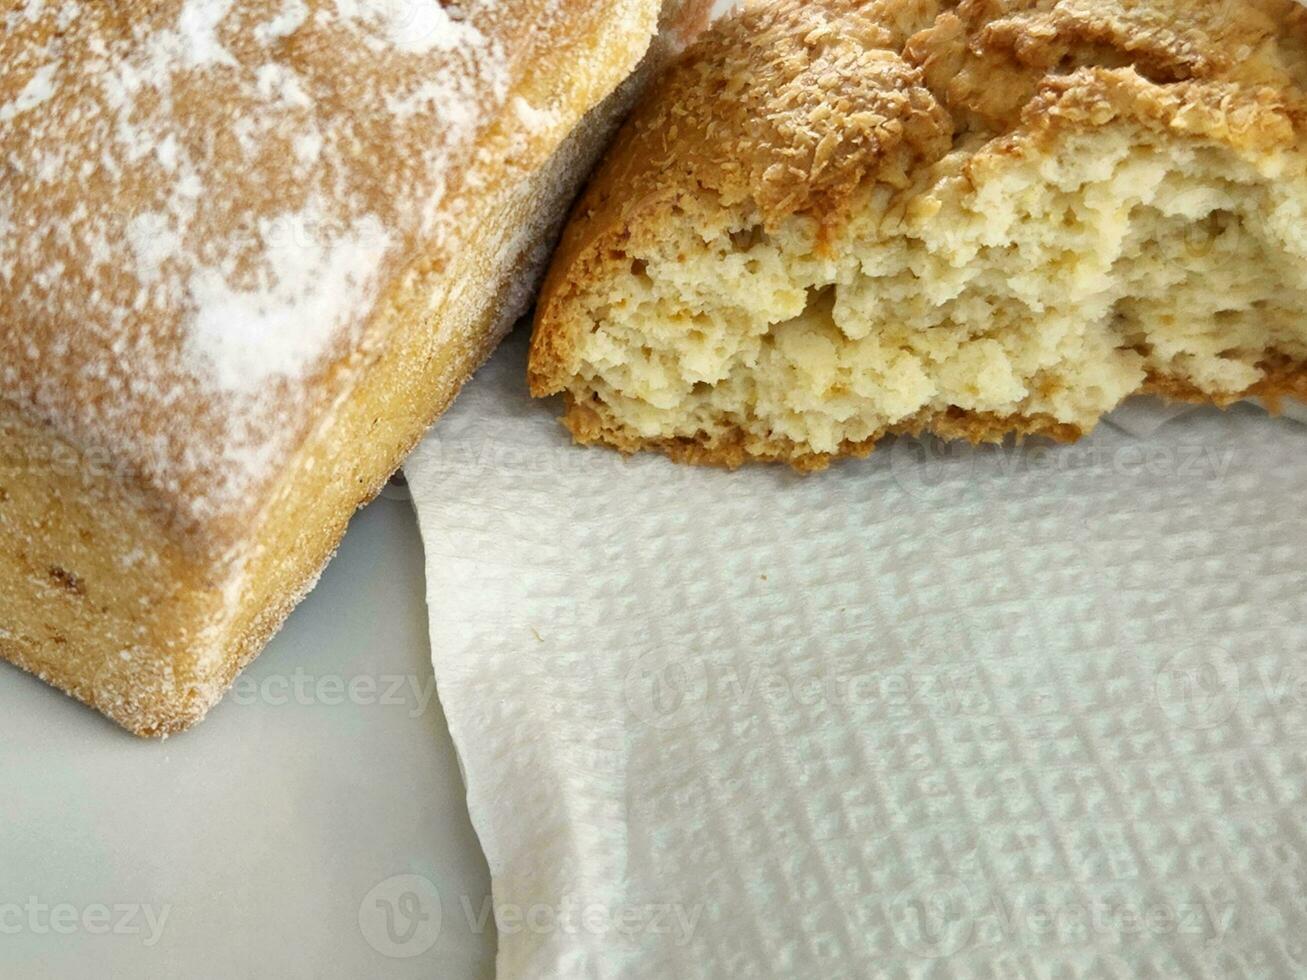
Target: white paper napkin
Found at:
x=945, y=712
x=1144, y=416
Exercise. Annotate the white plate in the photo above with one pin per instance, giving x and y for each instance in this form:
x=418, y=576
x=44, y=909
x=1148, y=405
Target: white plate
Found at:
x=274, y=839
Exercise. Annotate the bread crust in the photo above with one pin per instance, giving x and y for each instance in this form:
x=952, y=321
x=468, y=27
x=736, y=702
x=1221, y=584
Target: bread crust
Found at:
x=795, y=109
x=192, y=520
x=335, y=136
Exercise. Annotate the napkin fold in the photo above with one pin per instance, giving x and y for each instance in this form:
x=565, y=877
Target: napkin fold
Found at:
x=945, y=712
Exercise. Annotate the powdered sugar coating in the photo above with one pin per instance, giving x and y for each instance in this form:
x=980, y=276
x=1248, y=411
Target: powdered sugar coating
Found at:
x=201, y=202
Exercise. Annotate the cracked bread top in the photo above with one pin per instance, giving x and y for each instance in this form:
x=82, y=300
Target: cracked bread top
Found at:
x=794, y=108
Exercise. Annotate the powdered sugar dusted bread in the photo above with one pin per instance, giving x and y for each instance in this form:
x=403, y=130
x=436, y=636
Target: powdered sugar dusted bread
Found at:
x=842, y=219
x=248, y=251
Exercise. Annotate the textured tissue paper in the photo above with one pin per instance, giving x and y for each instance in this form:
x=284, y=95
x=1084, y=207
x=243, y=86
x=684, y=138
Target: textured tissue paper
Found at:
x=945, y=712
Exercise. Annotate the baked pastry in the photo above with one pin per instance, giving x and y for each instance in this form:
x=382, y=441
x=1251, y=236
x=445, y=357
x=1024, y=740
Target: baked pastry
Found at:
x=247, y=254
x=837, y=220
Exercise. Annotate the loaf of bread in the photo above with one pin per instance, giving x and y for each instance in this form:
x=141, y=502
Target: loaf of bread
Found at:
x=836, y=220
x=248, y=252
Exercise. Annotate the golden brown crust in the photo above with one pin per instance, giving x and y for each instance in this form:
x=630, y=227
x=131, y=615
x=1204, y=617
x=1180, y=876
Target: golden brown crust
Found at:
x=173, y=600
x=590, y=427
x=168, y=181
x=1283, y=380
x=794, y=108
x=989, y=60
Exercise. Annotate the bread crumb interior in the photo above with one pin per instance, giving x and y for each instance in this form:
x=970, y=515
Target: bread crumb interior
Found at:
x=1054, y=288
